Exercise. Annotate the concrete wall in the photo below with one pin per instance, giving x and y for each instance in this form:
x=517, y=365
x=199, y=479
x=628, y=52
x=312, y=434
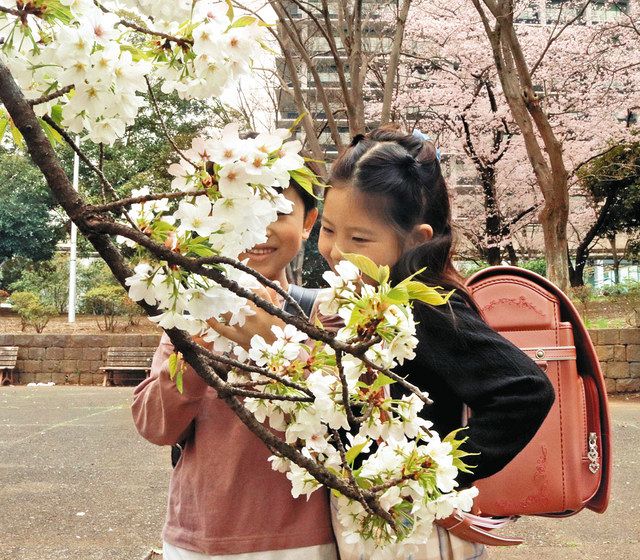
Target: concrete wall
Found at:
x=66, y=358
x=76, y=359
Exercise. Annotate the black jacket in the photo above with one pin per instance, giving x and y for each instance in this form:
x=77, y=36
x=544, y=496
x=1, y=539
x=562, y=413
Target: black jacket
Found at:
x=460, y=359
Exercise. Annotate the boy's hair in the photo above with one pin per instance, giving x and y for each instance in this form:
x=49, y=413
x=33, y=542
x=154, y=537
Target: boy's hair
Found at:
x=308, y=199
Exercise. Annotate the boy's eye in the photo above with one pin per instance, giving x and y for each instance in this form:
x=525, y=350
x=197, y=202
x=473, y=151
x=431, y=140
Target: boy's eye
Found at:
x=326, y=229
x=360, y=239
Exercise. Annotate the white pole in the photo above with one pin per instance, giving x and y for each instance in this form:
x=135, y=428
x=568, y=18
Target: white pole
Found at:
x=72, y=251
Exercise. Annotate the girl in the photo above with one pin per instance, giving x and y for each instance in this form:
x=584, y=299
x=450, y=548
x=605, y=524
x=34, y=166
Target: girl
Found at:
x=388, y=201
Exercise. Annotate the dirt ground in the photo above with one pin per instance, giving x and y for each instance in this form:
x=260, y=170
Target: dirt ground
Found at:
x=85, y=324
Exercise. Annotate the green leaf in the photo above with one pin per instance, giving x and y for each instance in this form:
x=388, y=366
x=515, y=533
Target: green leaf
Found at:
x=351, y=455
x=295, y=124
x=368, y=267
x=4, y=121
x=229, y=9
x=52, y=135
x=397, y=294
x=381, y=381
x=202, y=251
x=179, y=381
x=305, y=178
x=426, y=294
x=56, y=114
x=243, y=21
x=173, y=365
x=18, y=140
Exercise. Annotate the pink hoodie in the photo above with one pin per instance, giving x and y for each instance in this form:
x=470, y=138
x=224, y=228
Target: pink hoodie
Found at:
x=223, y=497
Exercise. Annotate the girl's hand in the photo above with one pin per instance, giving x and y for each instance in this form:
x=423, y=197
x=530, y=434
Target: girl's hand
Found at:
x=260, y=323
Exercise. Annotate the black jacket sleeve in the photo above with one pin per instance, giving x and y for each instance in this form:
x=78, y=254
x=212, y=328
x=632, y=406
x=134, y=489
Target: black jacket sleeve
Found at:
x=460, y=359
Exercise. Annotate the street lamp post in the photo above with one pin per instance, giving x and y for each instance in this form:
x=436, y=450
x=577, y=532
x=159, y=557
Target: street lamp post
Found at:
x=71, y=307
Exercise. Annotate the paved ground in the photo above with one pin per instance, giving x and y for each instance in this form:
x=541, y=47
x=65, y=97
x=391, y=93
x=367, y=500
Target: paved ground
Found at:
x=78, y=483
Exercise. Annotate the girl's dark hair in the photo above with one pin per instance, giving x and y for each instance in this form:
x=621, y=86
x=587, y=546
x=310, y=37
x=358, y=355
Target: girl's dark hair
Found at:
x=400, y=176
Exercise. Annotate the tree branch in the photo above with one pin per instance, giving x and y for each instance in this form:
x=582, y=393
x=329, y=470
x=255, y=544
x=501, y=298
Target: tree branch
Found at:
x=51, y=96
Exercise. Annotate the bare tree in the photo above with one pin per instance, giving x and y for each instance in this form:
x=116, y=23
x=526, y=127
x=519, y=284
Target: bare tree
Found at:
x=346, y=41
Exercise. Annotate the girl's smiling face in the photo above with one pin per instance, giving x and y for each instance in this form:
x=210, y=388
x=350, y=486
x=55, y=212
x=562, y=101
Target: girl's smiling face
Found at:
x=349, y=226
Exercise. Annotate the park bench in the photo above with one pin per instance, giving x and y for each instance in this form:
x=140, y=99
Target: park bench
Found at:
x=8, y=359
x=126, y=360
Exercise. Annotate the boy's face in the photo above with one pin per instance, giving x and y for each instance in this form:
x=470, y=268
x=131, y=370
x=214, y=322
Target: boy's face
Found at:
x=285, y=237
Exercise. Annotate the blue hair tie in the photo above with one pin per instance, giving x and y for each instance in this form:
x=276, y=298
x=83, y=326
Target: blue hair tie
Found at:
x=425, y=138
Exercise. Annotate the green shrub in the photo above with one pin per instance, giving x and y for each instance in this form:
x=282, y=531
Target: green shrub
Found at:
x=582, y=295
x=31, y=310
x=133, y=311
x=539, y=266
x=469, y=268
x=48, y=279
x=107, y=301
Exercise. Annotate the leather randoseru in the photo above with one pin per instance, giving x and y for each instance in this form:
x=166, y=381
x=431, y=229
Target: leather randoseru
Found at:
x=567, y=465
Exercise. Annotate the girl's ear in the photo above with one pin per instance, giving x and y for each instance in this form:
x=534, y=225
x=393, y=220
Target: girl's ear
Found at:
x=421, y=234
x=309, y=221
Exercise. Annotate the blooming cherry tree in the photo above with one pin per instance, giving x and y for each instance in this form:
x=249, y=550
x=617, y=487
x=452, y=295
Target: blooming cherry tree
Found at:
x=585, y=78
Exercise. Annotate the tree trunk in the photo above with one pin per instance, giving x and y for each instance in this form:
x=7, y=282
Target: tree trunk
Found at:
x=392, y=68
x=493, y=223
x=616, y=258
x=513, y=256
x=553, y=219
x=543, y=148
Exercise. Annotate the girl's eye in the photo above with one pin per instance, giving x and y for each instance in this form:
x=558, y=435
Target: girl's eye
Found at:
x=326, y=229
x=359, y=239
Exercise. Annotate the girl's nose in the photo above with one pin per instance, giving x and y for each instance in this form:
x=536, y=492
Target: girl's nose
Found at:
x=336, y=254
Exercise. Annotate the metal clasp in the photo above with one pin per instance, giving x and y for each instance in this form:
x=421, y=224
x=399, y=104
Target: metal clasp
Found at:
x=593, y=455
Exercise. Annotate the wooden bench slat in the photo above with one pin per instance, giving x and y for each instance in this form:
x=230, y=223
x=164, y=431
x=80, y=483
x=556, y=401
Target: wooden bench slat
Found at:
x=126, y=359
x=8, y=360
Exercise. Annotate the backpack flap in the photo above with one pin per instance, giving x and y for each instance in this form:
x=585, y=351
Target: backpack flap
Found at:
x=566, y=467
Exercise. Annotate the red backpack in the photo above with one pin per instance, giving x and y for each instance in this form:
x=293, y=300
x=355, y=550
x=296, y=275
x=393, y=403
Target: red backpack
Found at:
x=567, y=465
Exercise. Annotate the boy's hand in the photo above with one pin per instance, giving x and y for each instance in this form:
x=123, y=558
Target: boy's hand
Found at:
x=260, y=323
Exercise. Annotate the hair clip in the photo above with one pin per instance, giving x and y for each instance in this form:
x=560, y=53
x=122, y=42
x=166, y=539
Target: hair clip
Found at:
x=425, y=138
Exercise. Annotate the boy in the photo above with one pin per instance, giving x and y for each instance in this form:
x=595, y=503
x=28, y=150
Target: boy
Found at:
x=225, y=502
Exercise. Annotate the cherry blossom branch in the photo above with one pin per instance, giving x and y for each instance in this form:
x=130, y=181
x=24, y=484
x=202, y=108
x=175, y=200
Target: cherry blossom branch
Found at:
x=45, y=158
x=51, y=96
x=120, y=203
x=225, y=360
x=197, y=266
x=171, y=38
x=17, y=13
x=104, y=181
x=553, y=37
x=353, y=422
x=237, y=391
x=156, y=108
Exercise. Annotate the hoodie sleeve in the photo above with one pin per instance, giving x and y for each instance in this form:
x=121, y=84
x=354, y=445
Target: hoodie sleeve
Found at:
x=163, y=415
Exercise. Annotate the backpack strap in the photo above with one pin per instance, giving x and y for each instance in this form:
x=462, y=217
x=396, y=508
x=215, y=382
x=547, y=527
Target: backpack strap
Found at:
x=305, y=297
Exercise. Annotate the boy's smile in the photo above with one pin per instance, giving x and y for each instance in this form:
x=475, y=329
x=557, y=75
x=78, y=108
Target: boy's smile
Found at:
x=284, y=239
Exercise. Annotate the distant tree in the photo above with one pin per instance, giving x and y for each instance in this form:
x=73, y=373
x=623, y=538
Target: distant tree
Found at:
x=28, y=225
x=165, y=115
x=525, y=94
x=611, y=184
